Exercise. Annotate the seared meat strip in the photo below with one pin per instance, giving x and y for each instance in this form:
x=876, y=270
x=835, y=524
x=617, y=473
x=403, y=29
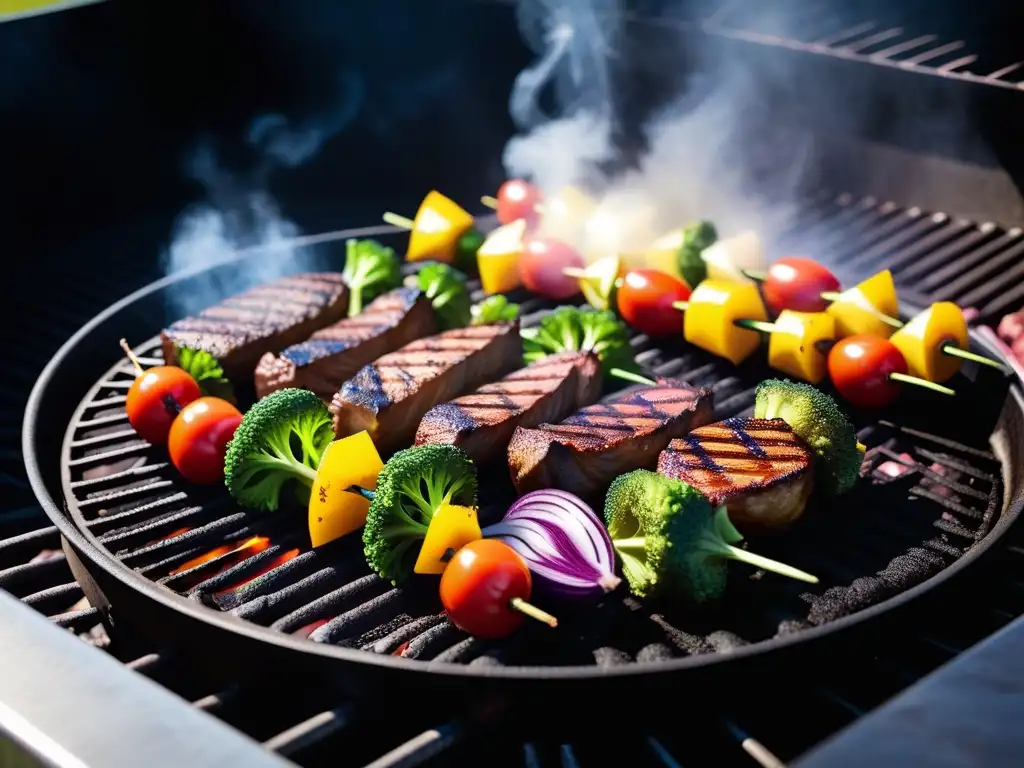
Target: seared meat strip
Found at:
x=482, y=423
x=588, y=450
x=389, y=397
x=240, y=330
x=757, y=468
x=333, y=354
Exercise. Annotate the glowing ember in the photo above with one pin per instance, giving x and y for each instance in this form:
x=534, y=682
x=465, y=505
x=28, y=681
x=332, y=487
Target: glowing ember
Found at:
x=247, y=548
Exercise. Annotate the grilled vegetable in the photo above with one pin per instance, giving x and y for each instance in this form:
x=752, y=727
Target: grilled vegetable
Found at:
x=370, y=270
x=868, y=370
x=334, y=510
x=494, y=309
x=485, y=590
x=597, y=281
x=645, y=300
x=922, y=342
x=816, y=419
x=442, y=231
x=497, y=259
x=207, y=371
x=672, y=544
x=156, y=397
x=517, y=199
x=711, y=318
x=413, y=486
x=199, y=437
x=580, y=329
x=796, y=344
x=729, y=258
x=563, y=542
x=867, y=308
x=450, y=529
x=543, y=265
x=281, y=439
x=797, y=284
x=446, y=289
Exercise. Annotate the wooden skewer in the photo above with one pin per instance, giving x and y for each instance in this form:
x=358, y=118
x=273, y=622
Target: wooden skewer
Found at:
x=402, y=222
x=682, y=306
x=489, y=201
x=518, y=604
x=955, y=351
x=921, y=383
x=636, y=378
x=131, y=356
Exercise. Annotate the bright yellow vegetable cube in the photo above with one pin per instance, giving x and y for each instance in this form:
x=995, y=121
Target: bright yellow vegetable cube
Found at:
x=862, y=308
x=439, y=224
x=727, y=258
x=333, y=511
x=663, y=255
x=451, y=528
x=921, y=341
x=792, y=346
x=498, y=258
x=709, y=321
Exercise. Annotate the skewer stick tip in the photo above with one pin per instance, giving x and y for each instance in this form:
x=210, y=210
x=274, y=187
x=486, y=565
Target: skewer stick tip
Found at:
x=489, y=201
x=575, y=272
x=682, y=306
x=131, y=356
x=918, y=382
x=395, y=220
x=963, y=354
x=518, y=604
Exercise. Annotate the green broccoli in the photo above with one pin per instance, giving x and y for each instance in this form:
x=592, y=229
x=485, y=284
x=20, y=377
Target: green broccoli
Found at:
x=410, y=489
x=281, y=438
x=446, y=288
x=207, y=371
x=494, y=309
x=671, y=542
x=696, y=237
x=816, y=419
x=570, y=329
x=370, y=270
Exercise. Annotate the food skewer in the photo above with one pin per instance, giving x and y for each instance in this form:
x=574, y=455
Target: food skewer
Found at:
x=442, y=231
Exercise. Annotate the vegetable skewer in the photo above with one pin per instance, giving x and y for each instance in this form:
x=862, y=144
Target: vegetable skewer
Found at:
x=516, y=199
x=156, y=397
x=442, y=231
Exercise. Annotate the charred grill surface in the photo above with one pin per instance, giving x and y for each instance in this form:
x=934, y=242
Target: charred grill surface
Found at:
x=243, y=328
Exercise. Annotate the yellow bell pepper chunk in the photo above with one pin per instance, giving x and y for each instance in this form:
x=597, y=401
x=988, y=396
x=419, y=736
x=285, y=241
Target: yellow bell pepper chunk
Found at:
x=451, y=528
x=663, y=254
x=858, y=309
x=726, y=258
x=563, y=216
x=439, y=224
x=498, y=258
x=921, y=341
x=791, y=347
x=709, y=320
x=598, y=281
x=333, y=511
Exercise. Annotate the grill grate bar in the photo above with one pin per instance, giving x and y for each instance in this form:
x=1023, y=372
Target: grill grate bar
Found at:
x=421, y=748
x=309, y=732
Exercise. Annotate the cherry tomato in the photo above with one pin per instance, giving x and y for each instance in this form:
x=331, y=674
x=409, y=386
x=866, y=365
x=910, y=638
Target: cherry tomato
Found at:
x=199, y=438
x=155, y=398
x=797, y=284
x=645, y=301
x=859, y=367
x=541, y=265
x=478, y=585
x=518, y=200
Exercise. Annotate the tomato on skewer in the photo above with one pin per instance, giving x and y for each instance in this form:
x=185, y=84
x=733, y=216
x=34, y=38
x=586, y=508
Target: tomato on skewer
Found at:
x=156, y=397
x=861, y=369
x=542, y=265
x=518, y=199
x=646, y=298
x=199, y=438
x=798, y=284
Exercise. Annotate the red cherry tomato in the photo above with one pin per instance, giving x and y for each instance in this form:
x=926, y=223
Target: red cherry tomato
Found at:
x=478, y=585
x=797, y=284
x=541, y=265
x=645, y=301
x=199, y=438
x=155, y=398
x=859, y=367
x=517, y=200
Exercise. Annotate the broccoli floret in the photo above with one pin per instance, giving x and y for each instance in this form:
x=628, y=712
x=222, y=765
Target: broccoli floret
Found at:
x=696, y=237
x=582, y=329
x=494, y=309
x=446, y=289
x=281, y=438
x=370, y=270
x=410, y=489
x=671, y=542
x=816, y=419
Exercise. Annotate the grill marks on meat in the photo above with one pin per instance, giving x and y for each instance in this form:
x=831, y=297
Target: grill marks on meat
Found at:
x=482, y=423
x=333, y=354
x=390, y=397
x=585, y=452
x=757, y=468
x=239, y=330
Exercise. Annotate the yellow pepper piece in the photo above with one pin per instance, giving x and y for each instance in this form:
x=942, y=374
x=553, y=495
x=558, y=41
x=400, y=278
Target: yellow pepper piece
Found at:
x=498, y=258
x=598, y=281
x=439, y=224
x=333, y=511
x=860, y=309
x=564, y=215
x=451, y=527
x=708, y=322
x=921, y=341
x=791, y=347
x=727, y=257
x=663, y=254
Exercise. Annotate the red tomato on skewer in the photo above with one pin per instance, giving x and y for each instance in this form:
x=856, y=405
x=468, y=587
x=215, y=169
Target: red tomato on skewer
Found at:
x=518, y=200
x=645, y=301
x=860, y=368
x=155, y=399
x=199, y=438
x=541, y=265
x=797, y=283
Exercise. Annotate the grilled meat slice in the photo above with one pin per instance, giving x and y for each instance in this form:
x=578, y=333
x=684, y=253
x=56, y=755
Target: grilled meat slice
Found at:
x=586, y=451
x=757, y=468
x=240, y=330
x=482, y=423
x=333, y=354
x=389, y=397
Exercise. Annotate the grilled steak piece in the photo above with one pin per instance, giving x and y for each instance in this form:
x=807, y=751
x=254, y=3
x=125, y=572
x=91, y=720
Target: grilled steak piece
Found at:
x=333, y=354
x=757, y=468
x=389, y=397
x=240, y=330
x=586, y=451
x=482, y=423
